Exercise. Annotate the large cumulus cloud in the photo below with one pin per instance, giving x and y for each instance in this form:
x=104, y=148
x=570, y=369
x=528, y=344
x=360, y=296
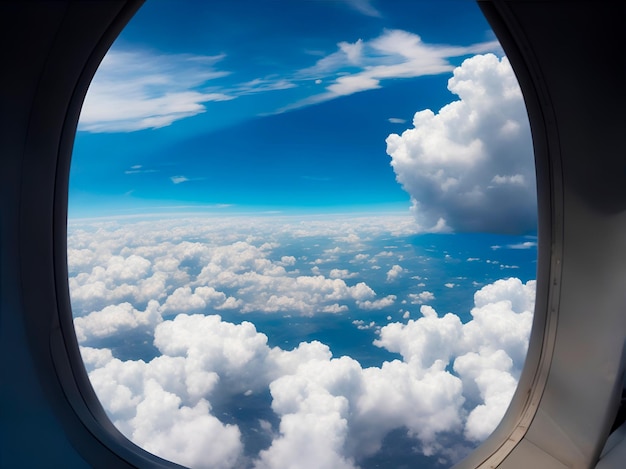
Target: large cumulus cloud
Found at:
x=469, y=167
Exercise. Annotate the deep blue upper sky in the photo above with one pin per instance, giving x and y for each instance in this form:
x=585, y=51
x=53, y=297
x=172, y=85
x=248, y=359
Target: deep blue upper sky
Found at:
x=274, y=105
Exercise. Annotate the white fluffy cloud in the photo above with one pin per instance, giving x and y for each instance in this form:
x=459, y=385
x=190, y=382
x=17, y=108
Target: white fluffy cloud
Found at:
x=147, y=403
x=394, y=273
x=330, y=409
x=377, y=304
x=183, y=300
x=342, y=273
x=114, y=278
x=236, y=269
x=470, y=167
x=422, y=297
x=115, y=319
x=488, y=352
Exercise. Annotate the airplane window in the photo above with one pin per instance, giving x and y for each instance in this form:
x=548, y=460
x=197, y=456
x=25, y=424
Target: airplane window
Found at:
x=303, y=234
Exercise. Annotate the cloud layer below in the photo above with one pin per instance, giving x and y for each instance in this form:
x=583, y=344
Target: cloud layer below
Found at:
x=448, y=388
x=330, y=408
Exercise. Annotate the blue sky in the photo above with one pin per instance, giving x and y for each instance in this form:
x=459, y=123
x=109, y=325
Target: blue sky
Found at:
x=277, y=105
x=260, y=260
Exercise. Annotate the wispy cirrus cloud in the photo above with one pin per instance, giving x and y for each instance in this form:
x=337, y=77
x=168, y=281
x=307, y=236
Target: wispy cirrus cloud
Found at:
x=524, y=245
x=364, y=7
x=364, y=65
x=139, y=169
x=137, y=89
x=261, y=85
x=179, y=179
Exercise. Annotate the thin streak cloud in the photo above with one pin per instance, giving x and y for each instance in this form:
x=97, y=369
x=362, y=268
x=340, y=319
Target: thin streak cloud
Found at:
x=138, y=89
x=135, y=90
x=179, y=179
x=364, y=7
x=394, y=54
